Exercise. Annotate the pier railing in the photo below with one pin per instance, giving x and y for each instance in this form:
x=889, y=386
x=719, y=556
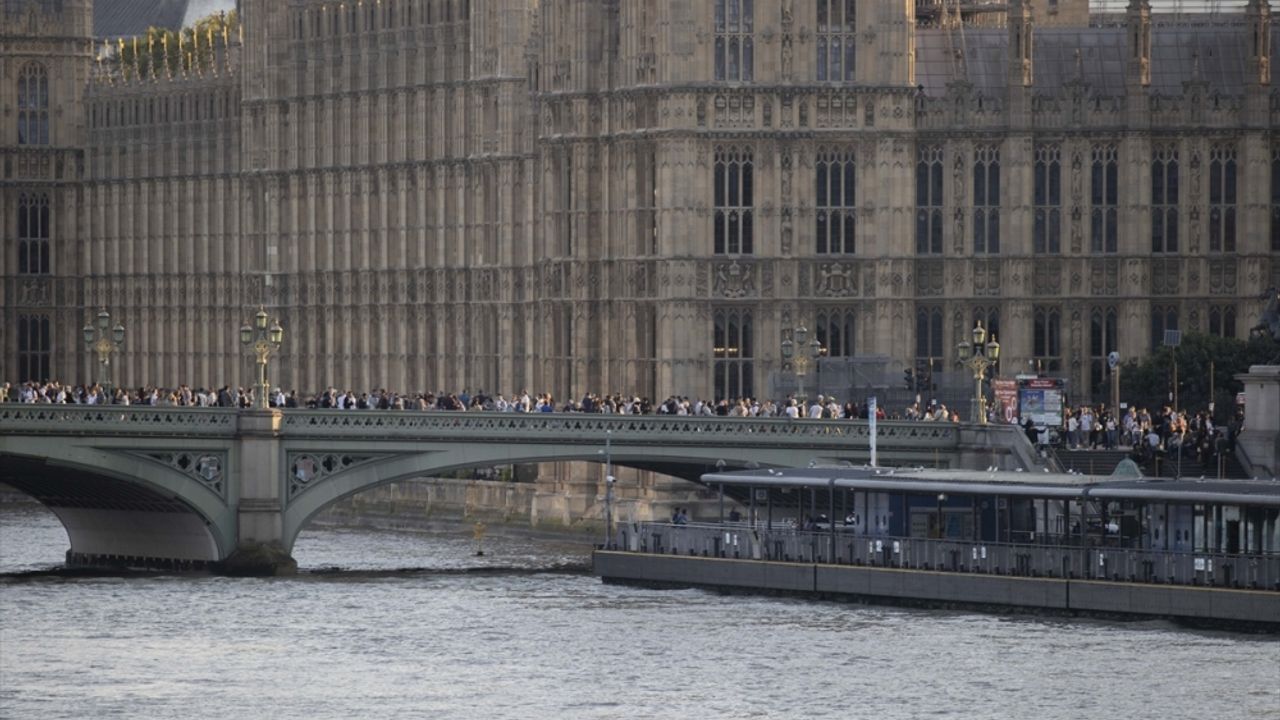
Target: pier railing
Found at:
x=1080, y=561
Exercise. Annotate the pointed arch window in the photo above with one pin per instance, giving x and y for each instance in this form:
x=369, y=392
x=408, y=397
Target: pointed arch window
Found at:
x=734, y=340
x=735, y=43
x=929, y=200
x=33, y=105
x=1103, y=339
x=835, y=207
x=734, y=201
x=1163, y=319
x=33, y=234
x=1222, y=321
x=835, y=331
x=1222, y=198
x=1047, y=230
x=1046, y=347
x=1164, y=199
x=986, y=200
x=1104, y=198
x=34, y=348
x=837, y=39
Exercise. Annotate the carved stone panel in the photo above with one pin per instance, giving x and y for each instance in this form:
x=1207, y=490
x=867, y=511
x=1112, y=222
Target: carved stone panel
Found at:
x=930, y=278
x=835, y=280
x=986, y=277
x=1104, y=276
x=1165, y=274
x=734, y=279
x=1223, y=277
x=1046, y=277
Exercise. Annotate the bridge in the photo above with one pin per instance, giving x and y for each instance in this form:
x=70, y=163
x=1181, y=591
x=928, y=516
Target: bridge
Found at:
x=231, y=489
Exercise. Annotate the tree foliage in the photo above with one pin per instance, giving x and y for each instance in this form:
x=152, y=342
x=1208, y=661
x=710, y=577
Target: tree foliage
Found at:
x=1148, y=382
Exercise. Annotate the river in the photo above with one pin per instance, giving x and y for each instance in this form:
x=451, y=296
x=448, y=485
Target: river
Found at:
x=381, y=625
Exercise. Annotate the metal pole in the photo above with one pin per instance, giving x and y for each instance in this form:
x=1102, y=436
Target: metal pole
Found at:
x=721, y=503
x=608, y=487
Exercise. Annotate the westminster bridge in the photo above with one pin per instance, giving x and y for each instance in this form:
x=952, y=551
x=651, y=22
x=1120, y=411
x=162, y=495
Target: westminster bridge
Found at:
x=231, y=489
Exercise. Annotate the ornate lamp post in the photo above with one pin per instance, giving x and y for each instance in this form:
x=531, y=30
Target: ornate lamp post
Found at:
x=978, y=357
x=104, y=340
x=799, y=363
x=264, y=340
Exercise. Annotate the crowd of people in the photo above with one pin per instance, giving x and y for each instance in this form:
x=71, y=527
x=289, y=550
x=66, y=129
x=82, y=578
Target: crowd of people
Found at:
x=53, y=392
x=1164, y=433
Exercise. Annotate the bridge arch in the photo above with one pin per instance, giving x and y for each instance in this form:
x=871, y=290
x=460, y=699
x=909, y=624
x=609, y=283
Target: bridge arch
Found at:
x=116, y=504
x=688, y=463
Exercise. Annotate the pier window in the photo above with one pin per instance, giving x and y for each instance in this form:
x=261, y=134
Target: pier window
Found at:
x=1163, y=318
x=837, y=39
x=34, y=348
x=734, y=353
x=1222, y=198
x=1222, y=321
x=1105, y=199
x=735, y=28
x=1047, y=230
x=834, y=329
x=33, y=234
x=733, y=201
x=1103, y=333
x=1164, y=199
x=929, y=200
x=33, y=105
x=930, y=351
x=986, y=199
x=836, y=182
x=1046, y=348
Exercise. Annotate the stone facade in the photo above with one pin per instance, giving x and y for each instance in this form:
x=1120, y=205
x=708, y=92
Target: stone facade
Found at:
x=600, y=195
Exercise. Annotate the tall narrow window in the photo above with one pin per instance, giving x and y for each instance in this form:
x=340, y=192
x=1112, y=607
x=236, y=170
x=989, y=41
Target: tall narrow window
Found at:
x=986, y=199
x=1222, y=198
x=930, y=352
x=929, y=200
x=835, y=222
x=734, y=351
x=1046, y=342
x=733, y=201
x=33, y=105
x=1164, y=199
x=1047, y=230
x=735, y=48
x=1105, y=198
x=1103, y=331
x=837, y=39
x=1163, y=319
x=1275, y=199
x=1222, y=320
x=33, y=234
x=835, y=331
x=34, y=348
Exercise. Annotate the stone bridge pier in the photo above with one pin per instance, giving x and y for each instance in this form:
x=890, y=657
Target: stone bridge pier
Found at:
x=230, y=490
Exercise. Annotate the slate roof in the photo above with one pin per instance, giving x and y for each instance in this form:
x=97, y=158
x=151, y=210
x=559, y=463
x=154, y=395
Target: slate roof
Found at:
x=126, y=18
x=1221, y=50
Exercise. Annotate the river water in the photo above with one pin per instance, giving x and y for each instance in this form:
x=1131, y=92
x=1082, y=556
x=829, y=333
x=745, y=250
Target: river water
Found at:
x=382, y=625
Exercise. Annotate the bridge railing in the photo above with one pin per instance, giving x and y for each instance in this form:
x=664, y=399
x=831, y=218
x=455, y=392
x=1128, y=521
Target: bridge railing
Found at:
x=22, y=418
x=666, y=429
x=1080, y=561
x=46, y=419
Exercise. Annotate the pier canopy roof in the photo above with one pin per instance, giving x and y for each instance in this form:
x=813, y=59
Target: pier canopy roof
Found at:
x=925, y=481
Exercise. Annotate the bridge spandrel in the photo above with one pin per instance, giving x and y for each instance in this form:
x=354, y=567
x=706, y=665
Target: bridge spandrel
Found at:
x=40, y=419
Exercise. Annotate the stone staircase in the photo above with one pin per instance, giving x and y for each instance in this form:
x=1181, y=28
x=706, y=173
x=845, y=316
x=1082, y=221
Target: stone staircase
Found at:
x=1091, y=462
x=1191, y=468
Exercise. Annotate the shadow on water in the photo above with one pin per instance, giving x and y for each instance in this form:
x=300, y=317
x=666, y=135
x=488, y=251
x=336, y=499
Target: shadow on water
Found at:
x=333, y=572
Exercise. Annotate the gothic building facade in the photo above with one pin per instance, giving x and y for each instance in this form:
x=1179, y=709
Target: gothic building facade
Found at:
x=631, y=195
